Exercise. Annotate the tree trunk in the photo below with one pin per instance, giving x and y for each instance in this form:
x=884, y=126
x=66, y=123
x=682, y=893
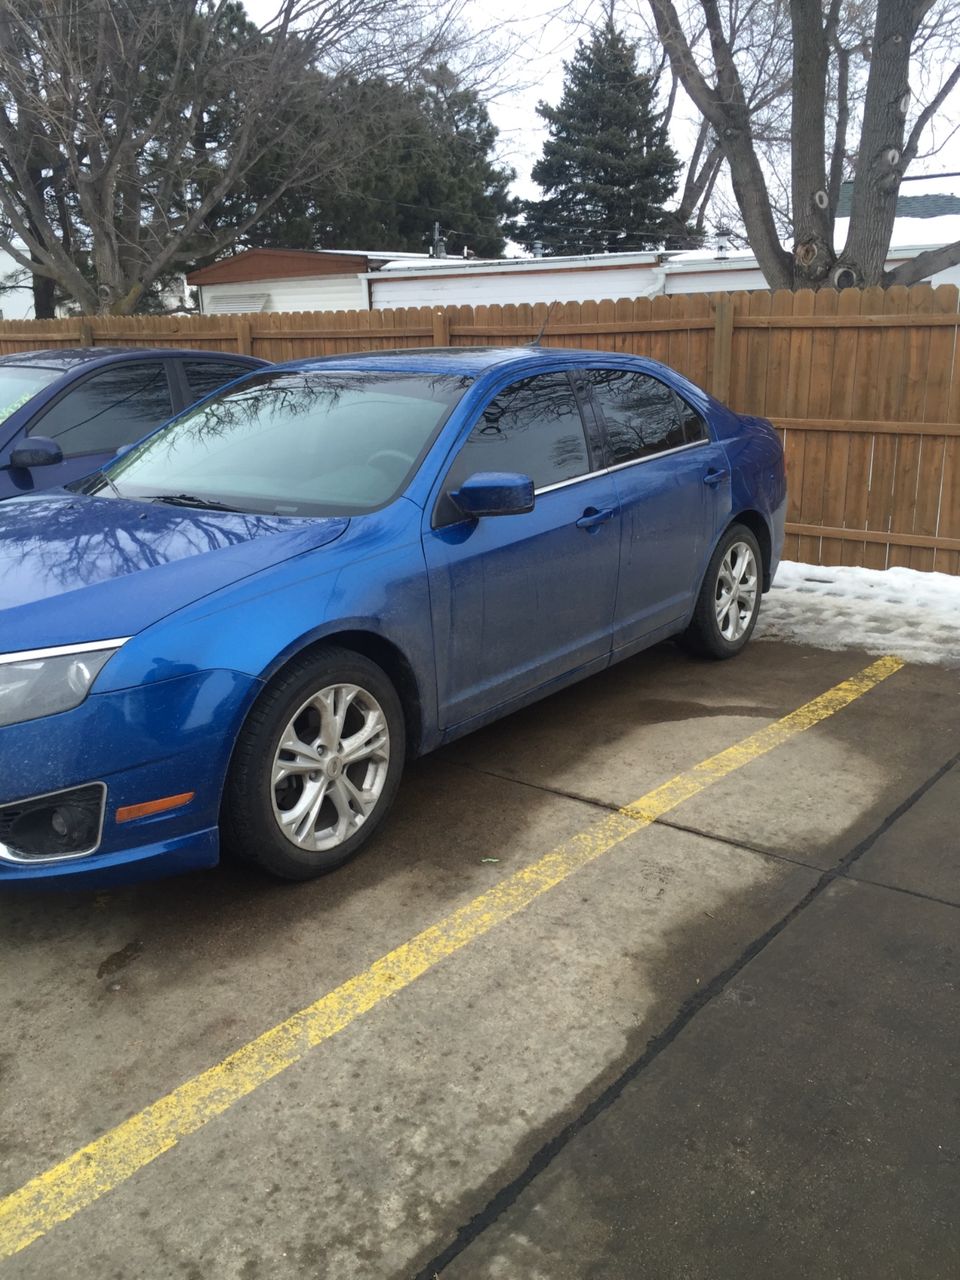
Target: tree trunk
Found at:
x=43, y=297
x=879, y=160
x=813, y=252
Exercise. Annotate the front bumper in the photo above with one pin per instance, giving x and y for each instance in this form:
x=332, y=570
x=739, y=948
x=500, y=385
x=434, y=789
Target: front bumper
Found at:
x=160, y=739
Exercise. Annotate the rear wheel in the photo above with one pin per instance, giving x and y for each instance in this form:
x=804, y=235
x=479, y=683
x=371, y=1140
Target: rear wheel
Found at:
x=316, y=766
x=729, y=600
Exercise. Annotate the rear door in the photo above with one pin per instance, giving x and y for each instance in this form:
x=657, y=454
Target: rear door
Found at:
x=520, y=601
x=669, y=476
x=99, y=413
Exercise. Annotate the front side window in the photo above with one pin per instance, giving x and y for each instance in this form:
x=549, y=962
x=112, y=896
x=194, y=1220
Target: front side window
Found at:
x=640, y=414
x=19, y=384
x=532, y=428
x=109, y=409
x=331, y=443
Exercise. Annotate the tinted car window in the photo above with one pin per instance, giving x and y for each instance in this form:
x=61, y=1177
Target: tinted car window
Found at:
x=694, y=427
x=640, y=414
x=18, y=385
x=109, y=409
x=207, y=376
x=534, y=428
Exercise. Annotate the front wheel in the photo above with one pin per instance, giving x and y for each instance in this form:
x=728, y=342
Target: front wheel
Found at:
x=316, y=766
x=729, y=599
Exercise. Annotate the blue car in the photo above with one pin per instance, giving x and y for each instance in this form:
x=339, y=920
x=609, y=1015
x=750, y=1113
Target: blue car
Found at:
x=236, y=634
x=64, y=412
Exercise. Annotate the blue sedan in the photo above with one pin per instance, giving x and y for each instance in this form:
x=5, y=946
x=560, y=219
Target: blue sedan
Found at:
x=236, y=635
x=65, y=412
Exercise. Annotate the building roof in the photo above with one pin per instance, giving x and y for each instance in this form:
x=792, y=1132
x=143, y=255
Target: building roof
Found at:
x=498, y=266
x=922, y=204
x=289, y=264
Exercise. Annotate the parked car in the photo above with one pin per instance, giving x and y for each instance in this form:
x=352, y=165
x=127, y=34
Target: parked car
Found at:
x=240, y=630
x=64, y=413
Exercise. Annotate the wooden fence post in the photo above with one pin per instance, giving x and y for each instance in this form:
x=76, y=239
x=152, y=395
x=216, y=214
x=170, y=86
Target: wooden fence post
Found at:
x=441, y=327
x=722, y=346
x=86, y=332
x=244, y=337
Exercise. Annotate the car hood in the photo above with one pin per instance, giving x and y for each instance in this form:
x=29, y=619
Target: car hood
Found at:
x=76, y=568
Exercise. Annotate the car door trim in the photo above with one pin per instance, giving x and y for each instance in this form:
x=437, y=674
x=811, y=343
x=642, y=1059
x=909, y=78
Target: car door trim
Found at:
x=621, y=466
x=664, y=453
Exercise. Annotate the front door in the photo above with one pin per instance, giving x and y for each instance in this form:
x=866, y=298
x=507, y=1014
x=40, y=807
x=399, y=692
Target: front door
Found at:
x=95, y=416
x=520, y=601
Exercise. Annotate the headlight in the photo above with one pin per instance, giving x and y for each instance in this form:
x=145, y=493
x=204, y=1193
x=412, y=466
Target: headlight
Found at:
x=45, y=681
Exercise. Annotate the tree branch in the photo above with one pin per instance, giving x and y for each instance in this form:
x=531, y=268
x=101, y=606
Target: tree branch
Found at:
x=924, y=264
x=912, y=145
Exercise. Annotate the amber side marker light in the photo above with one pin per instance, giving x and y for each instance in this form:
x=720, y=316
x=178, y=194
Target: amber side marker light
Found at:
x=130, y=811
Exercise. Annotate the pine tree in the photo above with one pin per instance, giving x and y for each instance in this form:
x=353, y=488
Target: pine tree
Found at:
x=606, y=168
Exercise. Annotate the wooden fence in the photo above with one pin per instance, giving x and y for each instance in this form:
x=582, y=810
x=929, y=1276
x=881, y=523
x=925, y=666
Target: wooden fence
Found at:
x=863, y=385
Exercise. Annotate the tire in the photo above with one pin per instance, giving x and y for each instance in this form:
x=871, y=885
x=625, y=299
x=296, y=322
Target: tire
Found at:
x=715, y=632
x=297, y=821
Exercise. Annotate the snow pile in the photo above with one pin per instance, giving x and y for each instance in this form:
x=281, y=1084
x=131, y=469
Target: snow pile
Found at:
x=901, y=611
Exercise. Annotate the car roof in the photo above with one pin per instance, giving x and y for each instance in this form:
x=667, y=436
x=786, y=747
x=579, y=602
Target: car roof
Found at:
x=454, y=360
x=65, y=358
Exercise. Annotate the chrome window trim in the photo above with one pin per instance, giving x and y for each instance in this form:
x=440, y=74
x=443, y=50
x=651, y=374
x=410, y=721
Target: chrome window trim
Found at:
x=652, y=457
x=6, y=854
x=563, y=484
x=62, y=650
x=621, y=466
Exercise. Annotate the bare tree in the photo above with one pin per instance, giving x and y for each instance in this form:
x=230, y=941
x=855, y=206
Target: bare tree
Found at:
x=840, y=119
x=125, y=123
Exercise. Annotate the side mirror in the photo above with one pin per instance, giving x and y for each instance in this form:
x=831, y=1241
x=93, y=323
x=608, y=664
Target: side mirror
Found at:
x=36, y=451
x=494, y=493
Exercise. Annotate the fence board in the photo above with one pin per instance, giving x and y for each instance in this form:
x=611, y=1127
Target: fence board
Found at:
x=864, y=387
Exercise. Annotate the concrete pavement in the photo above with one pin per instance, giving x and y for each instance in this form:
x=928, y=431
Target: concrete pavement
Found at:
x=381, y=1153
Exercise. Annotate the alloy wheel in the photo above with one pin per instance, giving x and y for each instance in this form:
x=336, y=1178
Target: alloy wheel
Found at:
x=737, y=587
x=330, y=767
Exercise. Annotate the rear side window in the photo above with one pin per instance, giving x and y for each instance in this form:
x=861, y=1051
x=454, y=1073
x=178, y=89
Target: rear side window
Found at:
x=111, y=408
x=532, y=427
x=206, y=376
x=640, y=414
x=694, y=427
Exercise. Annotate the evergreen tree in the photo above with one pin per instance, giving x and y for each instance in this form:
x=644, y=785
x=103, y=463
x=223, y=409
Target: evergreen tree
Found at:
x=409, y=156
x=607, y=168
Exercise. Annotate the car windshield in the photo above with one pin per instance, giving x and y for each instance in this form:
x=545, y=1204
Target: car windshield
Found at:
x=291, y=443
x=18, y=385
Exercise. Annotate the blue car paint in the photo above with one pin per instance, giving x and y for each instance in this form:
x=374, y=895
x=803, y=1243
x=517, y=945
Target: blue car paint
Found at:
x=217, y=602
x=75, y=364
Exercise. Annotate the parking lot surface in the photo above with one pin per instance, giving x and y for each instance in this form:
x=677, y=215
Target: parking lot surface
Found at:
x=719, y=1041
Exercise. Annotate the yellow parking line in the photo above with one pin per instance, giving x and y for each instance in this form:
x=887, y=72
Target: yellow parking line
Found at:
x=63, y=1190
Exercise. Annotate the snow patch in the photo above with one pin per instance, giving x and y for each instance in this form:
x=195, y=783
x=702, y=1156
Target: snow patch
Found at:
x=906, y=612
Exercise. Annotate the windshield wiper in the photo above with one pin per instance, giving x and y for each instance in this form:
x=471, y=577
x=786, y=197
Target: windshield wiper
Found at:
x=113, y=488
x=188, y=500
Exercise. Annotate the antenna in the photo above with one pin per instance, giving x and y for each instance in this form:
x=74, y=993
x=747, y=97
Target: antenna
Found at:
x=543, y=327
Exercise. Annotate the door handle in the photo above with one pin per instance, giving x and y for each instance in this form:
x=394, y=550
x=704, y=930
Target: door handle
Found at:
x=592, y=517
x=714, y=477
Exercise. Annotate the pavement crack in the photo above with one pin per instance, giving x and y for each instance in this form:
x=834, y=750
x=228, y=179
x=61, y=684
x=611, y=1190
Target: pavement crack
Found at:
x=605, y=805
x=735, y=844
x=695, y=1003
x=909, y=893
